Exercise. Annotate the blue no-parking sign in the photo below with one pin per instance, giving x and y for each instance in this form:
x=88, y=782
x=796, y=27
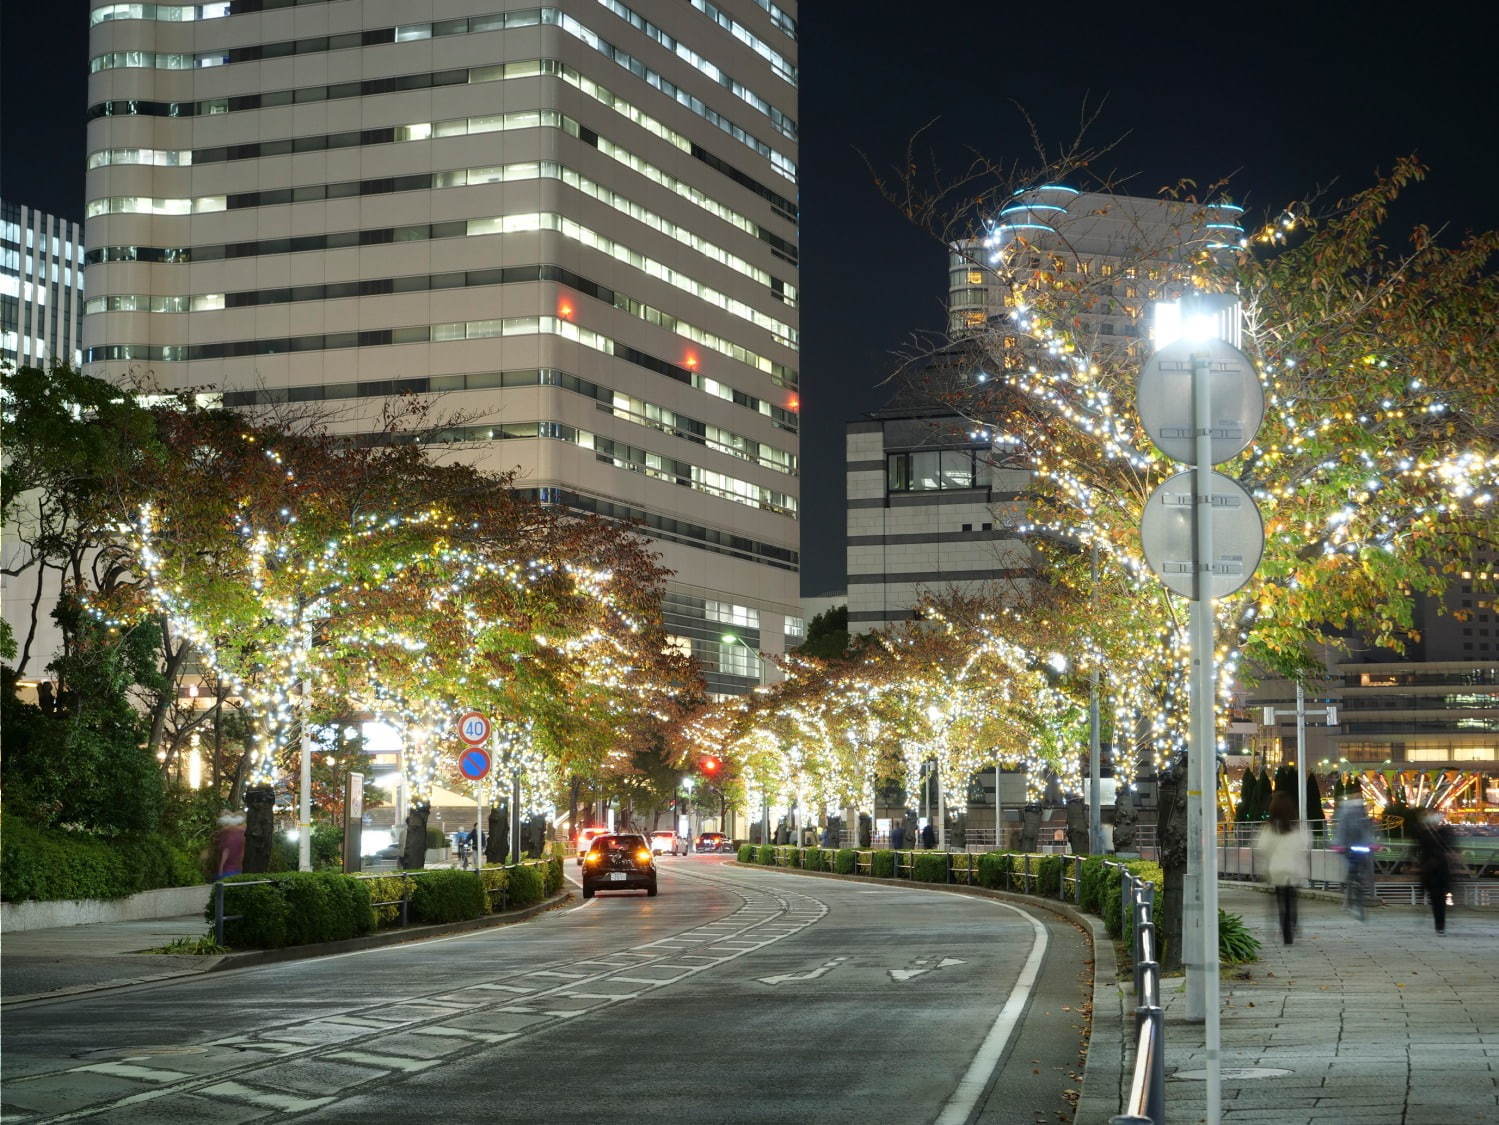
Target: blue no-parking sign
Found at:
x=473, y=763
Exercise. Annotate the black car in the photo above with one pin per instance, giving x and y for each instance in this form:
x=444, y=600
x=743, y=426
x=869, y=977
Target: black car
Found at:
x=712, y=842
x=619, y=863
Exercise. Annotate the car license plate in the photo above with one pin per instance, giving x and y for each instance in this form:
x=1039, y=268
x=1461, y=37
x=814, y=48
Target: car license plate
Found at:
x=616, y=877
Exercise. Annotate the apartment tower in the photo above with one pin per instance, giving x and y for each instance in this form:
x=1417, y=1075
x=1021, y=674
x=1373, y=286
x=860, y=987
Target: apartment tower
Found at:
x=575, y=224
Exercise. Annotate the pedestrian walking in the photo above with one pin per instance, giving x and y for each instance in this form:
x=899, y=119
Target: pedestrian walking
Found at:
x=1435, y=853
x=1354, y=837
x=1281, y=851
x=928, y=836
x=229, y=845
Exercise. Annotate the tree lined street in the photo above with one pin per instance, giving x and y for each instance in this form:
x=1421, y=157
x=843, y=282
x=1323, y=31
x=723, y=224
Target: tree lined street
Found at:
x=736, y=995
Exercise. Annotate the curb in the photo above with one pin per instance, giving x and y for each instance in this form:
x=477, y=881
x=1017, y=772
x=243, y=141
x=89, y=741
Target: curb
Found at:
x=254, y=957
x=1103, y=1072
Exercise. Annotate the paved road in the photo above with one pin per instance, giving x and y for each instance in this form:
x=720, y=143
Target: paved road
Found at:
x=736, y=995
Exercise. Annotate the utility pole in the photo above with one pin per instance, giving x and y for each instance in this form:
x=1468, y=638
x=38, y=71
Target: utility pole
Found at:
x=1095, y=752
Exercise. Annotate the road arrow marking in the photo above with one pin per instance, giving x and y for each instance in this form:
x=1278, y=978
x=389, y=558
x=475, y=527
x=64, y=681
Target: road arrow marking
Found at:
x=810, y=974
x=923, y=965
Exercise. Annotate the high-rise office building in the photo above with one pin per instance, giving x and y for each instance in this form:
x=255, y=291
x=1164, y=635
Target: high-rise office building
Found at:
x=41, y=288
x=577, y=224
x=933, y=500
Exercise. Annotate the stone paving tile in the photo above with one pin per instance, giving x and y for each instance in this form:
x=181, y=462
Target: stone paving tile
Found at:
x=1378, y=1022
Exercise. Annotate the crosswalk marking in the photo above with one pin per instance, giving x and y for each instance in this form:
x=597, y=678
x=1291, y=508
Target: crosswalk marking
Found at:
x=131, y=1070
x=268, y=1098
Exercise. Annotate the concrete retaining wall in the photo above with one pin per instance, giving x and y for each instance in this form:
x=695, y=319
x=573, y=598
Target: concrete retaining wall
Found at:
x=169, y=902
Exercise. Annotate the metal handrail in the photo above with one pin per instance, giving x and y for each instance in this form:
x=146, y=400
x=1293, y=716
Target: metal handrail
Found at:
x=1146, y=1101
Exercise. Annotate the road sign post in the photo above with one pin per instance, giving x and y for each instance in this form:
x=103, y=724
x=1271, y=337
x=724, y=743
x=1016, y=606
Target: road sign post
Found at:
x=475, y=728
x=1201, y=402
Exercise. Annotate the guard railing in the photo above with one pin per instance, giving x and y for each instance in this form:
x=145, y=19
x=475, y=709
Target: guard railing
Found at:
x=1145, y=1104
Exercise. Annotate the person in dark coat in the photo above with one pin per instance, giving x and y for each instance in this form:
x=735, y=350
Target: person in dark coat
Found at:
x=1435, y=852
x=928, y=836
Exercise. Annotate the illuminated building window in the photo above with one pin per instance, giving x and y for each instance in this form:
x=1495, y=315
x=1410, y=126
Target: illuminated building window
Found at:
x=975, y=277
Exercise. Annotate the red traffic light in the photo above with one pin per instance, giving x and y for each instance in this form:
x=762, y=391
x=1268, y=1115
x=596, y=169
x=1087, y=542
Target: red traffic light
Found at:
x=709, y=765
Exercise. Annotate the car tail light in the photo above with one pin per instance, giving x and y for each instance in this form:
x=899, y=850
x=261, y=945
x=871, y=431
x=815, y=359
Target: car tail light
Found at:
x=644, y=857
x=591, y=857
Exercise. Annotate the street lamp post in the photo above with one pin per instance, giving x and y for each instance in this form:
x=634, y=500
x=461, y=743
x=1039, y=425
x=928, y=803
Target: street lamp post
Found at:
x=1201, y=402
x=1328, y=713
x=1095, y=752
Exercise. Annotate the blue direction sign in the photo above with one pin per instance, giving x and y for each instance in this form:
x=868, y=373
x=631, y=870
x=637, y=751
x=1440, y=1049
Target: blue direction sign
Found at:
x=473, y=763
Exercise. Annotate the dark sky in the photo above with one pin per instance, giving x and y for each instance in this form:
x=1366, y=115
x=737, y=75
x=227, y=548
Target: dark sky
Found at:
x=1284, y=99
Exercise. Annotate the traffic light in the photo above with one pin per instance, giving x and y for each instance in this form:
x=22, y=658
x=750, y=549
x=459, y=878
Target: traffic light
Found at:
x=709, y=766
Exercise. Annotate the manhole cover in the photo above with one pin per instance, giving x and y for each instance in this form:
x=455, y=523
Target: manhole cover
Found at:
x=139, y=1052
x=1236, y=1073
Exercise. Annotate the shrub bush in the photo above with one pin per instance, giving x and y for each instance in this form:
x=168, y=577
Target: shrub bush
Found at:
x=929, y=867
x=389, y=889
x=846, y=861
x=494, y=880
x=1049, y=875
x=1093, y=877
x=258, y=913
x=297, y=908
x=527, y=885
x=747, y=853
x=435, y=838
x=882, y=863
x=551, y=875
x=38, y=863
x=815, y=859
x=787, y=856
x=447, y=896
x=994, y=870
x=765, y=855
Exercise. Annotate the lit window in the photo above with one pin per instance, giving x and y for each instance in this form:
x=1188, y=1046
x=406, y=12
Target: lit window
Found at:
x=975, y=277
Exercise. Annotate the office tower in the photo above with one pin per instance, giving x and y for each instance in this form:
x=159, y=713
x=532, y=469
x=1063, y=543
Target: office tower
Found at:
x=576, y=224
x=41, y=288
x=934, y=502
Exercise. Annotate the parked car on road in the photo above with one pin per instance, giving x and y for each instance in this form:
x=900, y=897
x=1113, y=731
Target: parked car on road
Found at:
x=619, y=863
x=667, y=841
x=712, y=842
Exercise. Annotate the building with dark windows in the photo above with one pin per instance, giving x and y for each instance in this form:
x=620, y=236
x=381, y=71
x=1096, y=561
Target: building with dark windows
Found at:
x=41, y=288
x=576, y=223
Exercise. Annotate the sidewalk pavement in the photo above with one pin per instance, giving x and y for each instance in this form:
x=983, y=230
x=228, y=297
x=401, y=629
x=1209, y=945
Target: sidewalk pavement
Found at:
x=54, y=962
x=1378, y=1023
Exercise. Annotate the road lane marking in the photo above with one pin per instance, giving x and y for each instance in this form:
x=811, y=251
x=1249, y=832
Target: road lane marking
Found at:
x=386, y=1062
x=810, y=974
x=270, y=1100
x=130, y=1070
x=971, y=1086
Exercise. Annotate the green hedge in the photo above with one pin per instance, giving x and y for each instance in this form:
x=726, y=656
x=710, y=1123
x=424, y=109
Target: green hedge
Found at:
x=448, y=896
x=387, y=888
x=765, y=855
x=994, y=870
x=929, y=867
x=527, y=885
x=747, y=853
x=294, y=908
x=37, y=863
x=815, y=859
x=882, y=863
x=1049, y=875
x=846, y=861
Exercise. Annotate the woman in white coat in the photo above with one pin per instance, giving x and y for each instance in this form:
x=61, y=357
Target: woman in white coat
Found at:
x=1281, y=854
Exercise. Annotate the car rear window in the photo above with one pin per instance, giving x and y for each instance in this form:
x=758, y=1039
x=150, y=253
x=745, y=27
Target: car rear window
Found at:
x=618, y=843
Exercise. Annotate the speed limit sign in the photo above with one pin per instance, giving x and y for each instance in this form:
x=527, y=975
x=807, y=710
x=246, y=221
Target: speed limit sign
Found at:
x=473, y=728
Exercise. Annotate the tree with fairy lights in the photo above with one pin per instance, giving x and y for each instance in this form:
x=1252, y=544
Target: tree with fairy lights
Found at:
x=1375, y=469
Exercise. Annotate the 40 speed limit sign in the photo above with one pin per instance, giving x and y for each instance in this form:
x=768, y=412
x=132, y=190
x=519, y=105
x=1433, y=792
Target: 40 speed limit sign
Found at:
x=473, y=728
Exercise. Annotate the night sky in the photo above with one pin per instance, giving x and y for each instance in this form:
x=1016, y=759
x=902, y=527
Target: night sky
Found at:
x=1282, y=99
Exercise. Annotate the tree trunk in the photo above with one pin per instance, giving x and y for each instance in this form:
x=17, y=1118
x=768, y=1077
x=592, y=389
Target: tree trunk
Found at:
x=536, y=836
x=260, y=827
x=497, y=843
x=414, y=858
x=1171, y=836
x=1030, y=827
x=1077, y=825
